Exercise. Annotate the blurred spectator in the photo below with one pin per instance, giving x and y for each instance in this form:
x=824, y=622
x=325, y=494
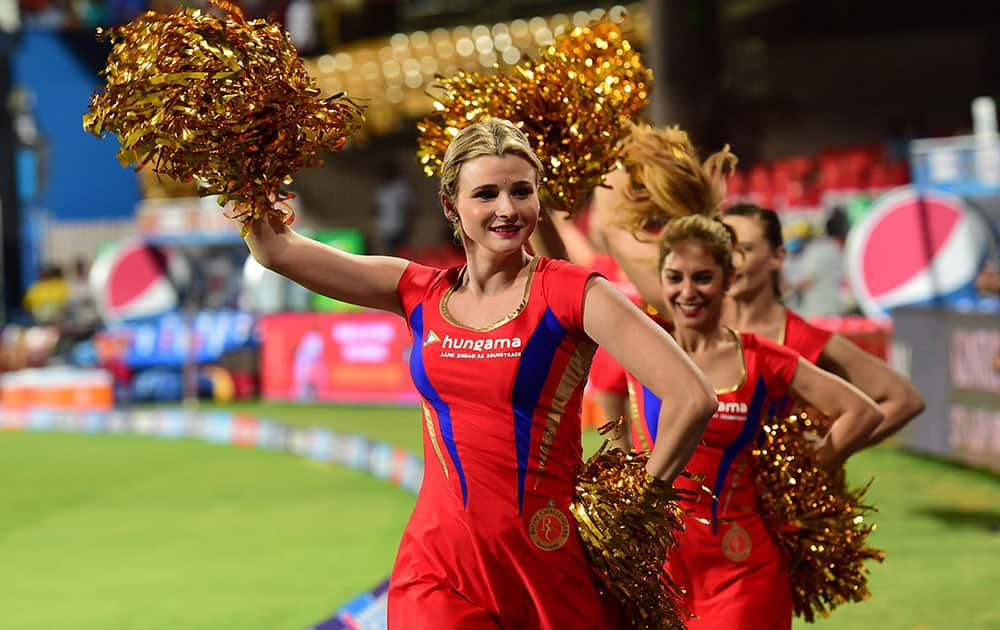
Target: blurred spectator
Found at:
x=837, y=225
x=81, y=310
x=80, y=319
x=795, y=235
x=988, y=280
x=310, y=373
x=394, y=206
x=221, y=280
x=48, y=298
x=816, y=273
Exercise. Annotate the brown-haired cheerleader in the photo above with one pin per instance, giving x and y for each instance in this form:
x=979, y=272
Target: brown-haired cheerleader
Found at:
x=735, y=574
x=754, y=305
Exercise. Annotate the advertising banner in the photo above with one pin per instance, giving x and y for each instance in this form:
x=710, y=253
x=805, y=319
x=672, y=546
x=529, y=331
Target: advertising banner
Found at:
x=917, y=248
x=959, y=379
x=175, y=339
x=336, y=357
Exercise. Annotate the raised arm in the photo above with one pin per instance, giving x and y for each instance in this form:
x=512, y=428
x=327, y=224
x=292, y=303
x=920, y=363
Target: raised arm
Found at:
x=545, y=240
x=854, y=414
x=637, y=258
x=369, y=281
x=896, y=397
x=579, y=250
x=652, y=356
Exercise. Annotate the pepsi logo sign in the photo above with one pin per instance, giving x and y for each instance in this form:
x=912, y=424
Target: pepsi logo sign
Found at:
x=132, y=281
x=914, y=250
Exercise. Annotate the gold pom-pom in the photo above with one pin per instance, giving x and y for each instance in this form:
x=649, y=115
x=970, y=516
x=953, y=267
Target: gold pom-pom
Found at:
x=219, y=101
x=628, y=522
x=570, y=102
x=818, y=522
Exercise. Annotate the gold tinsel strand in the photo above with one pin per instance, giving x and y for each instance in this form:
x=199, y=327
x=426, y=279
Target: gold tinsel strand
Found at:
x=628, y=523
x=570, y=102
x=220, y=101
x=818, y=522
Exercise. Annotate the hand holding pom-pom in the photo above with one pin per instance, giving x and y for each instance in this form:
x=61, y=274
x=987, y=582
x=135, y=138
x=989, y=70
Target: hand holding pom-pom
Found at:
x=628, y=523
x=220, y=101
x=819, y=523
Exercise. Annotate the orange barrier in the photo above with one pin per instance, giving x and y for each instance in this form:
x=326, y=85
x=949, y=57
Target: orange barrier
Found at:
x=60, y=389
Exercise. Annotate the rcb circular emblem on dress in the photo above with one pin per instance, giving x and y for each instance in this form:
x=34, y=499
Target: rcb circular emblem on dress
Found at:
x=549, y=528
x=736, y=544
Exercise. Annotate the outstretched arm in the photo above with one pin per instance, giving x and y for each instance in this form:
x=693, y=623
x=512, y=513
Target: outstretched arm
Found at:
x=363, y=280
x=578, y=247
x=854, y=414
x=896, y=397
x=653, y=357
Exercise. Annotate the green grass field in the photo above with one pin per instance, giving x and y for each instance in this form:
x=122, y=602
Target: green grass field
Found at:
x=124, y=532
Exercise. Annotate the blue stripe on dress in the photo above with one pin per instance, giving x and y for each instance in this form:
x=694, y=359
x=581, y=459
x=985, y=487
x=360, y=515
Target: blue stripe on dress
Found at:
x=772, y=411
x=750, y=429
x=651, y=411
x=419, y=374
x=532, y=374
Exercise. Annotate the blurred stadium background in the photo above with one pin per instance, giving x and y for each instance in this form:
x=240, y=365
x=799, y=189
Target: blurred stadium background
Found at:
x=187, y=440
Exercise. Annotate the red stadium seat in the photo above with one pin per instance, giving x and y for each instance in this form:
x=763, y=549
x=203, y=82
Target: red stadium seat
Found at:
x=760, y=189
x=736, y=184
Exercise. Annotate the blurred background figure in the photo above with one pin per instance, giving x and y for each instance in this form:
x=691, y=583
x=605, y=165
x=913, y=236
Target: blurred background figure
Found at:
x=309, y=370
x=81, y=318
x=394, y=209
x=814, y=270
x=47, y=299
x=988, y=280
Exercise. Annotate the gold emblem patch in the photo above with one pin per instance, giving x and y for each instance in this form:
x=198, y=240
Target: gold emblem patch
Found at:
x=736, y=544
x=549, y=528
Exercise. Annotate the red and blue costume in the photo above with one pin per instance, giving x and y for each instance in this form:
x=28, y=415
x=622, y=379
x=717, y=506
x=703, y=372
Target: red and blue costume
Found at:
x=807, y=341
x=734, y=573
x=804, y=338
x=491, y=542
